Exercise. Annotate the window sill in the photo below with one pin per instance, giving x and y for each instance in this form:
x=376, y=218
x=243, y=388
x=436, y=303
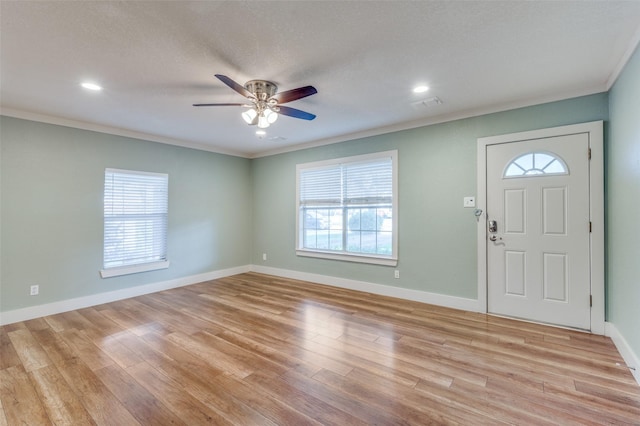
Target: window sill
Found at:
x=133, y=269
x=358, y=258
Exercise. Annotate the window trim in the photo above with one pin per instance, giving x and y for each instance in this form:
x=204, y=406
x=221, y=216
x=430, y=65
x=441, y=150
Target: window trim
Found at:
x=139, y=267
x=374, y=259
x=133, y=269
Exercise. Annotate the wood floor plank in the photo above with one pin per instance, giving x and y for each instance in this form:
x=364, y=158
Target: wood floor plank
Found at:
x=61, y=403
x=9, y=356
x=68, y=321
x=84, y=348
x=20, y=401
x=3, y=418
x=172, y=394
x=275, y=410
x=128, y=320
x=368, y=360
x=322, y=408
x=28, y=349
x=631, y=400
x=101, y=326
x=153, y=309
x=393, y=398
x=36, y=324
x=195, y=376
x=490, y=404
x=282, y=358
x=547, y=369
x=100, y=403
x=336, y=396
x=537, y=402
x=593, y=406
x=212, y=355
x=426, y=363
x=145, y=407
x=258, y=349
x=54, y=345
x=119, y=352
x=239, y=355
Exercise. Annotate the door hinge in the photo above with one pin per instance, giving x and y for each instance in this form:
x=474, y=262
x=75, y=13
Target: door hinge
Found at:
x=590, y=226
x=589, y=153
x=590, y=301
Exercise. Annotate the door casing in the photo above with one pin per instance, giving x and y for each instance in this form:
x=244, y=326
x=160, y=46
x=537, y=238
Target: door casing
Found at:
x=596, y=209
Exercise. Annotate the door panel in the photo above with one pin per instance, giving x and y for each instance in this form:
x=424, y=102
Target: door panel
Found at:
x=538, y=259
x=554, y=211
x=555, y=277
x=514, y=211
x=515, y=273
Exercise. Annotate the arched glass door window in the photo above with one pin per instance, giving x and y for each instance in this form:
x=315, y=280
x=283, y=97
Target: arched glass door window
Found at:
x=535, y=164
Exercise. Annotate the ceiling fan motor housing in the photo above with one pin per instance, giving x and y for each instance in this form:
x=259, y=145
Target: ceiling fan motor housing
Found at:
x=262, y=89
x=263, y=94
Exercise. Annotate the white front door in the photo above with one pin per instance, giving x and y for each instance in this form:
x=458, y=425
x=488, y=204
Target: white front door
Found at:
x=538, y=225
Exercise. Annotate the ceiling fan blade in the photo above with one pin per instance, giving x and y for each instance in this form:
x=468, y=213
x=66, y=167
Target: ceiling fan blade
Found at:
x=218, y=105
x=235, y=86
x=296, y=113
x=292, y=95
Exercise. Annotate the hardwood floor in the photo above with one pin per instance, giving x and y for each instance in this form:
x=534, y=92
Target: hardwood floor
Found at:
x=260, y=350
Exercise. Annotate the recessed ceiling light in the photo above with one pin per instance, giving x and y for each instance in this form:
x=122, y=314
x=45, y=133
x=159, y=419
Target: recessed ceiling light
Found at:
x=420, y=89
x=91, y=86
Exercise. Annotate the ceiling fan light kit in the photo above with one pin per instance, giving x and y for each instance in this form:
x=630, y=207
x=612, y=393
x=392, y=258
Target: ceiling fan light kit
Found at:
x=265, y=101
x=249, y=116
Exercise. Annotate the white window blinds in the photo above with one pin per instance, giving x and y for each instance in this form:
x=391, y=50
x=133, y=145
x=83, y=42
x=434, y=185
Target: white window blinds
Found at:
x=339, y=184
x=368, y=183
x=321, y=186
x=135, y=218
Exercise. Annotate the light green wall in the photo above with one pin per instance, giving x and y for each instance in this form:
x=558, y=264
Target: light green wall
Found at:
x=437, y=168
x=52, y=180
x=623, y=204
x=226, y=211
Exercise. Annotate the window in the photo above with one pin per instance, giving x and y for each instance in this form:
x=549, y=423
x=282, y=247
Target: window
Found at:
x=536, y=163
x=347, y=209
x=135, y=222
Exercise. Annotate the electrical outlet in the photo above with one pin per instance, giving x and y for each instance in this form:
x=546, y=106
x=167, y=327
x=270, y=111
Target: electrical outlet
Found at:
x=35, y=289
x=469, y=202
x=396, y=273
x=264, y=256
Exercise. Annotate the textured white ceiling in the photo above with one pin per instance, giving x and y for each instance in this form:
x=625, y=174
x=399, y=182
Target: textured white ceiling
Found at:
x=155, y=59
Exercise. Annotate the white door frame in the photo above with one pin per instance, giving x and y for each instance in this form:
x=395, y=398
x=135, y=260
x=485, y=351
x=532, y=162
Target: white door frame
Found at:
x=596, y=209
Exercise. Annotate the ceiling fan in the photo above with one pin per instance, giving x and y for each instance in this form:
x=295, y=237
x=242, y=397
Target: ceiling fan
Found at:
x=266, y=102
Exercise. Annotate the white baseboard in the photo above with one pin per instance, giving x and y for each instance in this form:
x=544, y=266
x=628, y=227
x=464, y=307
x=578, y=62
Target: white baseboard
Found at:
x=24, y=314
x=383, y=290
x=31, y=312
x=630, y=357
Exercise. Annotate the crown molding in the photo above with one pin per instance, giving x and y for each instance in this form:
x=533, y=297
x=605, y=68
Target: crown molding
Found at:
x=429, y=121
x=633, y=45
x=83, y=125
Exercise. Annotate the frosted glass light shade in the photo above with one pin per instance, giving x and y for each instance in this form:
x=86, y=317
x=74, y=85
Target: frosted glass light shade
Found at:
x=249, y=115
x=271, y=116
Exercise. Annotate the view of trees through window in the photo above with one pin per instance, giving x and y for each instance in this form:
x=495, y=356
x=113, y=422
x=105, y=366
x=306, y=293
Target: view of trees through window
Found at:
x=369, y=229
